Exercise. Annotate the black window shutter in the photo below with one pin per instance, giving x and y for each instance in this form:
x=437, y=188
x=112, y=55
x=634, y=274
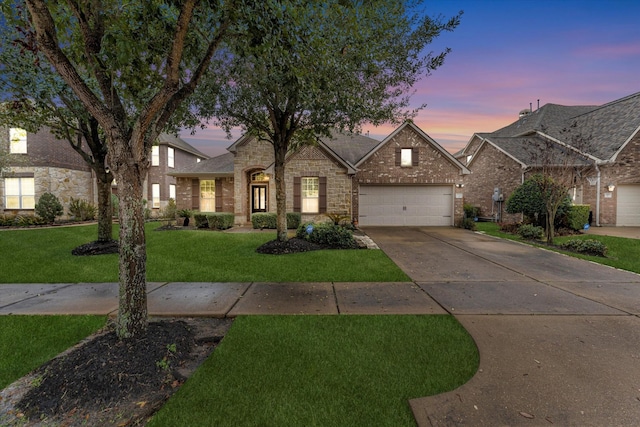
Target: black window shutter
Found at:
x=195, y=194
x=219, y=207
x=296, y=194
x=415, y=156
x=398, y=156
x=322, y=202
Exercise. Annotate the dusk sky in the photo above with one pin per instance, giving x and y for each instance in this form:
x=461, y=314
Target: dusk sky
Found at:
x=507, y=55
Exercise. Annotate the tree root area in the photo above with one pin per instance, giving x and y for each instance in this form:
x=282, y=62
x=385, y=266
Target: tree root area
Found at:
x=97, y=248
x=111, y=382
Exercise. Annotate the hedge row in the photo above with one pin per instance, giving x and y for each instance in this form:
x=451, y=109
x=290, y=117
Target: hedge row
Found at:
x=214, y=220
x=268, y=220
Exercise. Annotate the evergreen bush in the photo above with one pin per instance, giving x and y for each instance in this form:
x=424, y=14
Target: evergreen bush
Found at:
x=220, y=220
x=530, y=232
x=48, y=208
x=586, y=246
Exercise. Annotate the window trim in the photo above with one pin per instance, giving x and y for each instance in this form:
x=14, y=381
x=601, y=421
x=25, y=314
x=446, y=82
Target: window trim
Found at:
x=155, y=155
x=304, y=197
x=22, y=195
x=171, y=157
x=17, y=143
x=155, y=196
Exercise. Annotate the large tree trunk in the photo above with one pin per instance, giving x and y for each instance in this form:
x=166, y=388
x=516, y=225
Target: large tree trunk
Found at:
x=132, y=309
x=280, y=153
x=105, y=209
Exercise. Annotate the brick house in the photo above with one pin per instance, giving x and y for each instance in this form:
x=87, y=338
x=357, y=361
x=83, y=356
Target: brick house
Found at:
x=406, y=179
x=40, y=163
x=606, y=136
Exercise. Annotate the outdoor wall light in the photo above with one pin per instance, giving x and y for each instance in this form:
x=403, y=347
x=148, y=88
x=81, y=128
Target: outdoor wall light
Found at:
x=611, y=187
x=459, y=185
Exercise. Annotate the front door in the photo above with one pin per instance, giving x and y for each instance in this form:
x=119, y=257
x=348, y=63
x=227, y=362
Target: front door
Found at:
x=258, y=198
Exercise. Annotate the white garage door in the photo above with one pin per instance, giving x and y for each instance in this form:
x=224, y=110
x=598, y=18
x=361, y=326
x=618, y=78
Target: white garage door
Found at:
x=628, y=206
x=406, y=205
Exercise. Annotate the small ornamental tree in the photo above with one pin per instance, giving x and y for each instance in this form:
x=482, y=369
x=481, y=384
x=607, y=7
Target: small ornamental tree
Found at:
x=48, y=207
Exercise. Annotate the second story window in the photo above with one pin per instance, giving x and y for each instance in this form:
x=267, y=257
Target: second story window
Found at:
x=155, y=156
x=18, y=141
x=171, y=154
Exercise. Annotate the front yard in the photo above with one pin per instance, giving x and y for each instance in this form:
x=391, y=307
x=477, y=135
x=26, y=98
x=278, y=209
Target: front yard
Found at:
x=268, y=370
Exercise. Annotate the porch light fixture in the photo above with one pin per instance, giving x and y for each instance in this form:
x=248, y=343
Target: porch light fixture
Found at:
x=611, y=187
x=459, y=185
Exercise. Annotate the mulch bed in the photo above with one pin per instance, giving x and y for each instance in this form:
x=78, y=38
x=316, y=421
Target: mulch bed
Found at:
x=110, y=382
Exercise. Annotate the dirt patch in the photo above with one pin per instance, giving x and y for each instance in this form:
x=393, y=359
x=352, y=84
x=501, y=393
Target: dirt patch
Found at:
x=97, y=248
x=110, y=382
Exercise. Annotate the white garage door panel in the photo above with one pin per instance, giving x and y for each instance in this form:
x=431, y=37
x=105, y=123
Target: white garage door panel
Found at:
x=628, y=206
x=416, y=205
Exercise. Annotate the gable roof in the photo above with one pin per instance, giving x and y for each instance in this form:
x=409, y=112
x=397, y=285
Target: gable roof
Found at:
x=421, y=133
x=600, y=132
x=180, y=144
x=214, y=167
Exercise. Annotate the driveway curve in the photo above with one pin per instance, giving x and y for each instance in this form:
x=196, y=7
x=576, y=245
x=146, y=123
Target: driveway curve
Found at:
x=559, y=337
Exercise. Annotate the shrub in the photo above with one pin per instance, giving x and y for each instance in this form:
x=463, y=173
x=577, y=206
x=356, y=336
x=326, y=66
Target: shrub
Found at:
x=530, y=232
x=578, y=216
x=201, y=219
x=293, y=220
x=7, y=220
x=327, y=234
x=468, y=223
x=586, y=246
x=509, y=227
x=169, y=211
x=268, y=220
x=471, y=211
x=28, y=220
x=337, y=218
x=82, y=210
x=184, y=213
x=220, y=220
x=48, y=208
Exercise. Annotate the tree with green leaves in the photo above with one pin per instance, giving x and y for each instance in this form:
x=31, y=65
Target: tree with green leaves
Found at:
x=306, y=68
x=35, y=96
x=133, y=66
x=554, y=167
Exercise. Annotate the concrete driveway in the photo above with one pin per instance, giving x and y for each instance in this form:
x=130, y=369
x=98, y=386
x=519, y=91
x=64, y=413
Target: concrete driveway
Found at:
x=559, y=338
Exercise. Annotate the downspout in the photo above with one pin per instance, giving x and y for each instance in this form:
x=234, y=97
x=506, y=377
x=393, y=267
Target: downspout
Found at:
x=598, y=198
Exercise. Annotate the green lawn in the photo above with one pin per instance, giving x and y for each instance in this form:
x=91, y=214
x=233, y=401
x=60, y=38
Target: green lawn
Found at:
x=323, y=371
x=26, y=342
x=622, y=253
x=271, y=370
x=44, y=256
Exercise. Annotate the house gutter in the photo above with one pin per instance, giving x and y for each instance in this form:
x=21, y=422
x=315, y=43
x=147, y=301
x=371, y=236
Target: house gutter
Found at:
x=598, y=197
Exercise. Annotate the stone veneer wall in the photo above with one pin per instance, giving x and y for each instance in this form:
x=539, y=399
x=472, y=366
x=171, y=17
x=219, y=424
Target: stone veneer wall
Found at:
x=491, y=168
x=63, y=183
x=249, y=157
x=310, y=162
x=433, y=168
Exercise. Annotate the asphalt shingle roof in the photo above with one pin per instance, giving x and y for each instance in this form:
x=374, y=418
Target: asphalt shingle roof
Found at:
x=600, y=131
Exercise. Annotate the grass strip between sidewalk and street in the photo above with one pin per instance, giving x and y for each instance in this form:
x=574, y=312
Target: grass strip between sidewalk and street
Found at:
x=323, y=371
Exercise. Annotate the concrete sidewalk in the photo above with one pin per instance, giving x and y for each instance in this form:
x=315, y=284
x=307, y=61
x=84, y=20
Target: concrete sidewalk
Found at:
x=212, y=299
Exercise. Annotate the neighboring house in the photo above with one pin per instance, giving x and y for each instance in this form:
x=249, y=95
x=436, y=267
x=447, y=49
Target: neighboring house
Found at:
x=171, y=153
x=406, y=179
x=40, y=163
x=608, y=137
